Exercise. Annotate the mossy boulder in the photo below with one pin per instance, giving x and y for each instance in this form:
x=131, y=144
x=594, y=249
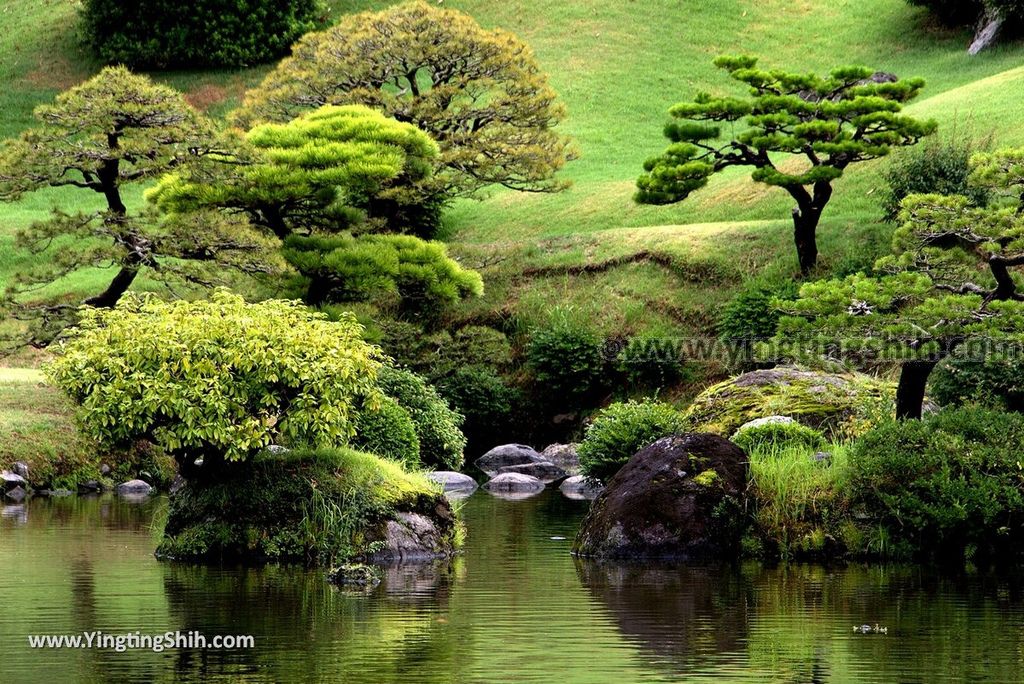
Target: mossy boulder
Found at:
x=824, y=401
x=318, y=507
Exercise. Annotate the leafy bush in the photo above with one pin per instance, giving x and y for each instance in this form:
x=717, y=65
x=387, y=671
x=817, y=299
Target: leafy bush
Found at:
x=486, y=401
x=997, y=381
x=621, y=430
x=650, y=362
x=221, y=379
x=567, y=360
x=438, y=354
x=441, y=442
x=165, y=33
x=941, y=165
x=777, y=436
x=950, y=483
x=389, y=432
x=751, y=315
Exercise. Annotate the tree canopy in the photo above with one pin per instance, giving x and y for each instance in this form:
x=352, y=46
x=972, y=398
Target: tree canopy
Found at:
x=824, y=123
x=479, y=93
x=115, y=129
x=327, y=169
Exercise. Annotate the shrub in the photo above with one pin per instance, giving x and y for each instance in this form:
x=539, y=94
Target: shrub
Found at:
x=389, y=432
x=948, y=484
x=941, y=165
x=567, y=360
x=775, y=435
x=752, y=315
x=621, y=430
x=997, y=382
x=650, y=362
x=221, y=379
x=441, y=442
x=164, y=33
x=486, y=401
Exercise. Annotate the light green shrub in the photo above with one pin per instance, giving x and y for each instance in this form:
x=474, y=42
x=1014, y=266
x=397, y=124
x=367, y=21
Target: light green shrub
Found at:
x=441, y=442
x=621, y=430
x=389, y=432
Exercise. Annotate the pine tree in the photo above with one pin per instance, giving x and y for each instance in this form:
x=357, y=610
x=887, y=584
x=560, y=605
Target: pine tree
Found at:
x=850, y=116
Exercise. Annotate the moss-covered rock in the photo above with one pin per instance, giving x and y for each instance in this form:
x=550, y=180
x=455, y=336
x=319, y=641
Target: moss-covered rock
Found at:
x=319, y=507
x=824, y=401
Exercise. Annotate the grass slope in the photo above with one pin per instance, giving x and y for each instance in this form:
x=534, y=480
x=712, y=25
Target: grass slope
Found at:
x=618, y=66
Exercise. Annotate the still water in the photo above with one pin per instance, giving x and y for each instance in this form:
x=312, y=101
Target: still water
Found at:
x=515, y=607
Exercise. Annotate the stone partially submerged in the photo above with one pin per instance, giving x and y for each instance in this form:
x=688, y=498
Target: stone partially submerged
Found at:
x=679, y=498
x=544, y=471
x=507, y=455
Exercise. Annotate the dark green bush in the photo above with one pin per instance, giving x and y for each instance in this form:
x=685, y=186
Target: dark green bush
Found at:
x=997, y=382
x=940, y=165
x=488, y=402
x=751, y=316
x=388, y=432
x=651, y=362
x=165, y=33
x=950, y=484
x=621, y=430
x=777, y=436
x=441, y=442
x=567, y=360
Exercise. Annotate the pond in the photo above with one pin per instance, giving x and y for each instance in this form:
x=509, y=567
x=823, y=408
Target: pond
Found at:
x=515, y=607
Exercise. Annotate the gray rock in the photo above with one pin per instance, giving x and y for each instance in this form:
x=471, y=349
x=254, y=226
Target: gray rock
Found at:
x=20, y=468
x=277, y=449
x=9, y=481
x=89, y=486
x=543, y=471
x=411, y=537
x=580, y=487
x=16, y=493
x=564, y=456
x=452, y=481
x=514, y=483
x=104, y=469
x=507, y=455
x=136, y=487
x=822, y=456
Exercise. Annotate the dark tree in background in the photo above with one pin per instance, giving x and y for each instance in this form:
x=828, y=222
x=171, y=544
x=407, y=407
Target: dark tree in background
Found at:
x=990, y=17
x=828, y=123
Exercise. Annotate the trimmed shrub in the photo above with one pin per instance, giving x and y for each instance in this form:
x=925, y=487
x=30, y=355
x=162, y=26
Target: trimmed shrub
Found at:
x=441, y=442
x=567, y=360
x=221, y=379
x=621, y=430
x=650, y=362
x=948, y=484
x=940, y=165
x=997, y=382
x=486, y=401
x=777, y=436
x=389, y=432
x=751, y=315
x=202, y=33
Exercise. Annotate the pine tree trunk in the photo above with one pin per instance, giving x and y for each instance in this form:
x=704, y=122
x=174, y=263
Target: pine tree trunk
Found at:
x=118, y=286
x=805, y=226
x=910, y=391
x=988, y=31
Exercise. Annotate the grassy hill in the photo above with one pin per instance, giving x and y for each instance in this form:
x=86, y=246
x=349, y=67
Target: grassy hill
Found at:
x=618, y=66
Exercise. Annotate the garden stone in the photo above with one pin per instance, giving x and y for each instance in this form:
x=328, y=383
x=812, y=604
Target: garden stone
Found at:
x=20, y=468
x=507, y=455
x=514, y=485
x=11, y=480
x=822, y=456
x=104, y=469
x=564, y=456
x=136, y=487
x=411, y=537
x=580, y=487
x=543, y=471
x=767, y=420
x=678, y=498
x=16, y=493
x=453, y=482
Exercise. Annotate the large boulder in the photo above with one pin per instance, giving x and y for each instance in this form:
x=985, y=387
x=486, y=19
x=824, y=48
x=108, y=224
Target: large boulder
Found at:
x=415, y=537
x=678, y=498
x=134, y=488
x=565, y=456
x=819, y=400
x=544, y=471
x=507, y=455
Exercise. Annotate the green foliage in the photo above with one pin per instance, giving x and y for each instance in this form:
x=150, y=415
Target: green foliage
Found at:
x=567, y=360
x=753, y=314
x=441, y=442
x=775, y=436
x=945, y=484
x=488, y=403
x=479, y=93
x=113, y=130
x=389, y=432
x=651, y=362
x=621, y=430
x=993, y=381
x=221, y=379
x=438, y=354
x=401, y=273
x=328, y=169
x=317, y=506
x=163, y=33
x=941, y=166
